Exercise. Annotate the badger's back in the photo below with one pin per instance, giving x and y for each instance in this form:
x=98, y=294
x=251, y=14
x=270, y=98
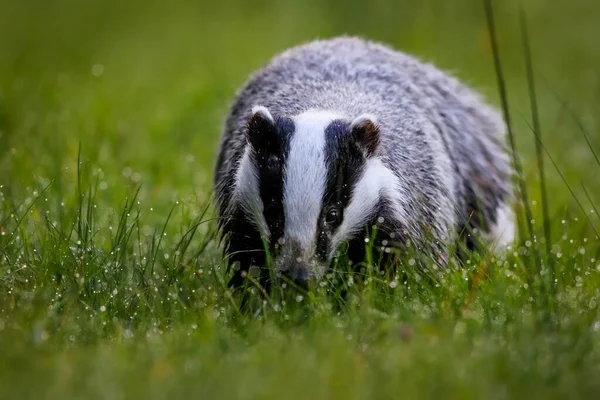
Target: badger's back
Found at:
x=445, y=145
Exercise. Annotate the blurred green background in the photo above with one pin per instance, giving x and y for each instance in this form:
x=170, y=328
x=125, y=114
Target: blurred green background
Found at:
x=144, y=86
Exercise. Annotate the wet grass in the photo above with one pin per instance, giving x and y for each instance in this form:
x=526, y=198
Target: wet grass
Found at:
x=111, y=281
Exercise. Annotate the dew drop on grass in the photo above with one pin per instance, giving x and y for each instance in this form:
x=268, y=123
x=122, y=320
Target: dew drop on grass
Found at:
x=299, y=298
x=393, y=284
x=254, y=271
x=98, y=70
x=102, y=308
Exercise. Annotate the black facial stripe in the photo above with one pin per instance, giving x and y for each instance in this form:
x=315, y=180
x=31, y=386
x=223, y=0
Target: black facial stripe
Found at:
x=390, y=234
x=269, y=162
x=345, y=163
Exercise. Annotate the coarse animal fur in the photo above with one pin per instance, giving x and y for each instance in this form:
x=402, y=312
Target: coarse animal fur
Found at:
x=336, y=136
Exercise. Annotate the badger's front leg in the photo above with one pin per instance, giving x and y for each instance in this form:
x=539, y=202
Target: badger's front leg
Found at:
x=245, y=249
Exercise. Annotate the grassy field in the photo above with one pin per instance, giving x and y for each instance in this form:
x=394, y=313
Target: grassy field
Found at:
x=111, y=283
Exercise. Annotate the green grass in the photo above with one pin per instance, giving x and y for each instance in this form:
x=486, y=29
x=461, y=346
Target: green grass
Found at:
x=111, y=282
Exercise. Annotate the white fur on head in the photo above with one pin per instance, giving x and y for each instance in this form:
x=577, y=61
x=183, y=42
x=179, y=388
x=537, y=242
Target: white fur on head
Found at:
x=376, y=181
x=306, y=177
x=246, y=193
x=263, y=111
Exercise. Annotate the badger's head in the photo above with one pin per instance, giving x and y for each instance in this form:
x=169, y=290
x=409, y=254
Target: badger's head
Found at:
x=310, y=183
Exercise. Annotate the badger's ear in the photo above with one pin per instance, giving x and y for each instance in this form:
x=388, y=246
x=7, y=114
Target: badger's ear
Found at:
x=260, y=128
x=365, y=131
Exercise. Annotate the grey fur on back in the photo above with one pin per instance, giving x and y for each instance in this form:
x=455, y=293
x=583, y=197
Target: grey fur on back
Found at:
x=443, y=142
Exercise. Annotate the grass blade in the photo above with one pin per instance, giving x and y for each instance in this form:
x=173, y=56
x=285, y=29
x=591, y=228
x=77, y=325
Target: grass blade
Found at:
x=538, y=144
x=514, y=152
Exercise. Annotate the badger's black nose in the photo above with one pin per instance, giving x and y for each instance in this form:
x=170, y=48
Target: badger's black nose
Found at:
x=297, y=275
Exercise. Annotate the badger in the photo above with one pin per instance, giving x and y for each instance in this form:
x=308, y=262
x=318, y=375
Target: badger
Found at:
x=335, y=137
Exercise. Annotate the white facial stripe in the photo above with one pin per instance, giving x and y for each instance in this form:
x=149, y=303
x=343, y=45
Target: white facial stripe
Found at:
x=376, y=181
x=306, y=177
x=247, y=194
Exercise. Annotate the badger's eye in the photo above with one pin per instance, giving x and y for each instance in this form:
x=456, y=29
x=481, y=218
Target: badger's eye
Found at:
x=332, y=217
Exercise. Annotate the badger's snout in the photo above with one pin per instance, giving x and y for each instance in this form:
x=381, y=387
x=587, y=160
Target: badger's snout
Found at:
x=298, y=264
x=297, y=272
